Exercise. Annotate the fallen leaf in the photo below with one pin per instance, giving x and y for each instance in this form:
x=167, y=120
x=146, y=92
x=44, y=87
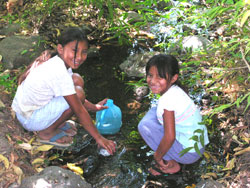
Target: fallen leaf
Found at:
x=192, y=186
x=37, y=161
x=39, y=169
x=45, y=147
x=53, y=157
x=207, y=155
x=31, y=140
x=230, y=165
x=5, y=161
x=25, y=146
x=242, y=151
x=18, y=171
x=75, y=168
x=209, y=175
x=139, y=170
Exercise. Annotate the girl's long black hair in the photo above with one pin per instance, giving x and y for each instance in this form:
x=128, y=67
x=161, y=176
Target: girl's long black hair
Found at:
x=167, y=66
x=68, y=35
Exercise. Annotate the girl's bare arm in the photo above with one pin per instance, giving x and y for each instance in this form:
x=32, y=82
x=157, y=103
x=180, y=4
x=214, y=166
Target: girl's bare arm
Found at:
x=86, y=121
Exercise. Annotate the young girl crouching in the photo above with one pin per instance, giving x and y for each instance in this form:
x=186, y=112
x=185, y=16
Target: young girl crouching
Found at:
x=49, y=94
x=167, y=128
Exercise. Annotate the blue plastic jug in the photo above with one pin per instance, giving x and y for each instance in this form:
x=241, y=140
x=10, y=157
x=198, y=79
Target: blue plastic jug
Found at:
x=109, y=121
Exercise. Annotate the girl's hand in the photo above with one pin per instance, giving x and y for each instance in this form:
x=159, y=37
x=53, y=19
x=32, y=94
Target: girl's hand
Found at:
x=100, y=105
x=109, y=145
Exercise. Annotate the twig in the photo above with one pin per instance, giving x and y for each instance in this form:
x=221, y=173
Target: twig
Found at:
x=244, y=59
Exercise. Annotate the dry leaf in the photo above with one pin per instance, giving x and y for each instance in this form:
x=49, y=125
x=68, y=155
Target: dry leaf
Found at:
x=25, y=146
x=18, y=171
x=230, y=165
x=36, y=149
x=209, y=175
x=139, y=170
x=5, y=161
x=242, y=151
x=207, y=155
x=37, y=161
x=39, y=169
x=31, y=140
x=75, y=168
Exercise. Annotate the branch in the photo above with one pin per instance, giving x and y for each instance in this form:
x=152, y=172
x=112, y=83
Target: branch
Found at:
x=244, y=59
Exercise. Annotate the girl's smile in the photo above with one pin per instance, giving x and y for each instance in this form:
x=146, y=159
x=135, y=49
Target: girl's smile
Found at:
x=157, y=84
x=73, y=53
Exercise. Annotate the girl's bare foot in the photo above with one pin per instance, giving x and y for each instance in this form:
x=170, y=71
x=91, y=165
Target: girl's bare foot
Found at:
x=69, y=128
x=171, y=168
x=62, y=140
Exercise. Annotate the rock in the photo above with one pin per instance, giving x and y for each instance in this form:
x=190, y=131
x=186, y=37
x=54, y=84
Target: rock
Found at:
x=195, y=42
x=209, y=184
x=93, y=52
x=55, y=177
x=10, y=29
x=190, y=44
x=140, y=92
x=134, y=65
x=20, y=50
x=90, y=165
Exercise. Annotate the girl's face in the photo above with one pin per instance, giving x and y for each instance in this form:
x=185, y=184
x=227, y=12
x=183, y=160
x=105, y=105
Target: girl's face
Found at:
x=72, y=55
x=157, y=84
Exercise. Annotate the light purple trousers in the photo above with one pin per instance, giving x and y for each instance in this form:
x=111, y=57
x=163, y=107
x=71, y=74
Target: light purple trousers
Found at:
x=152, y=132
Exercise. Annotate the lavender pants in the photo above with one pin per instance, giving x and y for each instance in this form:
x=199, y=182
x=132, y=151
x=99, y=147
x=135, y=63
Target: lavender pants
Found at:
x=152, y=132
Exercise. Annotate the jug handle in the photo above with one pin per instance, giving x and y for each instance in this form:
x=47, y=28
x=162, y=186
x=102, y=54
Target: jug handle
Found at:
x=109, y=101
x=102, y=116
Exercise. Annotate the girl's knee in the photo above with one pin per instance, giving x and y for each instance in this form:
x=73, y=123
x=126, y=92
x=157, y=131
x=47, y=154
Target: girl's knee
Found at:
x=77, y=79
x=142, y=127
x=80, y=93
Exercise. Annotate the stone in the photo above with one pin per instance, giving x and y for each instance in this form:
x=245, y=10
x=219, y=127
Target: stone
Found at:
x=20, y=50
x=54, y=177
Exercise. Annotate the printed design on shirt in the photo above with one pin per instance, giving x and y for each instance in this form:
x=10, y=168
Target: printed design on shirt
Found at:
x=186, y=114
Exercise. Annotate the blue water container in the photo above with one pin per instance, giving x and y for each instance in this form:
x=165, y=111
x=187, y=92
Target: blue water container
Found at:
x=109, y=121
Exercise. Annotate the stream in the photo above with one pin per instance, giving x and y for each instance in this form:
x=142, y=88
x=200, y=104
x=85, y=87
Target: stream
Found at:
x=128, y=166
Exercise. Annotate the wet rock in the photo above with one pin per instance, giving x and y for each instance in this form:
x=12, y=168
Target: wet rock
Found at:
x=90, y=165
x=140, y=92
x=134, y=65
x=208, y=184
x=55, y=177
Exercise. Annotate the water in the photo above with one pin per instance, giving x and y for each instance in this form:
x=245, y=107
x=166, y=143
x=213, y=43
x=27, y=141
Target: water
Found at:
x=128, y=166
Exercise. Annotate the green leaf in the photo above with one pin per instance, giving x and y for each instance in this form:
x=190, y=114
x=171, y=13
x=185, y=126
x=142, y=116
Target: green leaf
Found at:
x=248, y=103
x=199, y=131
x=195, y=138
x=185, y=151
x=197, y=149
x=202, y=139
x=244, y=18
x=24, y=52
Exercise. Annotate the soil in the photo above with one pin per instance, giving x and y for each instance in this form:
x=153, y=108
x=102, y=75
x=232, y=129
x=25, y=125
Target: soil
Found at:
x=20, y=158
x=11, y=134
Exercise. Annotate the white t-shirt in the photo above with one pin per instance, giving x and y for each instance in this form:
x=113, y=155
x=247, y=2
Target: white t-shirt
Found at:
x=48, y=80
x=187, y=115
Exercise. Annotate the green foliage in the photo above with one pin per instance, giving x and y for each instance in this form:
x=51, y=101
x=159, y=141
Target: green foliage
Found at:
x=8, y=82
x=198, y=137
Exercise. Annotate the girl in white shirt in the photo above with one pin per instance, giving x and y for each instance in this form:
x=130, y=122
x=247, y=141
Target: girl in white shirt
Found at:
x=49, y=94
x=167, y=128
